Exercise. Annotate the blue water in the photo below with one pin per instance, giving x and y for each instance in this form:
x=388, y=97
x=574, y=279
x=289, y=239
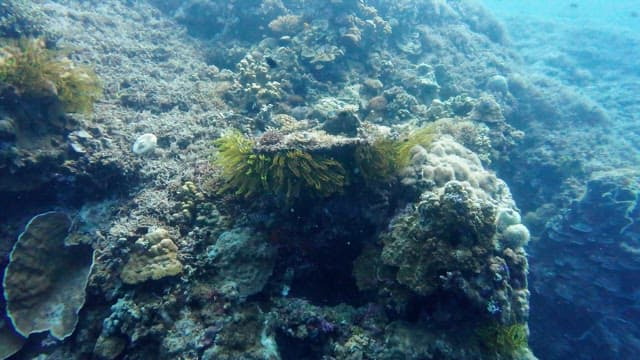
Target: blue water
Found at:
x=601, y=36
x=608, y=14
x=585, y=302
x=591, y=47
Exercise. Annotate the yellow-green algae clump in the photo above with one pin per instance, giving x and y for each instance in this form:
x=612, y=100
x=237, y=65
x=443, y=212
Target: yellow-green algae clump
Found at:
x=249, y=170
x=294, y=173
x=381, y=158
x=377, y=161
x=288, y=173
x=506, y=340
x=423, y=136
x=37, y=72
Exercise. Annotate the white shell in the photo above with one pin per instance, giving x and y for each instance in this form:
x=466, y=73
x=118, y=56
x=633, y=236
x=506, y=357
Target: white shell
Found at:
x=144, y=144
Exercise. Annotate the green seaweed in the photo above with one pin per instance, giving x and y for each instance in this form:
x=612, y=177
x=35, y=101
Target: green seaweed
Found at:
x=377, y=162
x=295, y=173
x=423, y=136
x=289, y=174
x=504, y=339
x=35, y=71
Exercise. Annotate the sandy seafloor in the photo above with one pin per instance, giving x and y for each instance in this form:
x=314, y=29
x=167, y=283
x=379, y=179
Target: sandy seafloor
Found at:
x=564, y=137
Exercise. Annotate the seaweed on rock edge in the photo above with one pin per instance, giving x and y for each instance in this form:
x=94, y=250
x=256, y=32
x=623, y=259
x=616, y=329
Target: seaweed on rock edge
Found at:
x=287, y=173
x=35, y=71
x=296, y=173
x=423, y=136
x=505, y=340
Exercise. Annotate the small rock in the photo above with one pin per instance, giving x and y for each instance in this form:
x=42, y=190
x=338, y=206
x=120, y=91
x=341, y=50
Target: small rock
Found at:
x=145, y=144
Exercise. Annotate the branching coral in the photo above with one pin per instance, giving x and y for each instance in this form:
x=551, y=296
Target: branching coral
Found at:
x=286, y=173
x=35, y=71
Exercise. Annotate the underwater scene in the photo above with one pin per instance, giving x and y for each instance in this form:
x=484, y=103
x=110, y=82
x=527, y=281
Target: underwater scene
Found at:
x=319, y=179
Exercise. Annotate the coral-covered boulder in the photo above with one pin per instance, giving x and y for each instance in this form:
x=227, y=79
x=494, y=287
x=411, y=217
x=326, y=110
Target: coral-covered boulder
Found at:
x=462, y=239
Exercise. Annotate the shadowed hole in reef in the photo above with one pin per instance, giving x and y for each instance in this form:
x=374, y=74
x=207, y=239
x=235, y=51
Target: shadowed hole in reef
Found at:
x=300, y=349
x=327, y=278
x=317, y=248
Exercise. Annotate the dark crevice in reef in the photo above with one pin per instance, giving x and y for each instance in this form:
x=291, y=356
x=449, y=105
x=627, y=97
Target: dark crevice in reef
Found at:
x=320, y=273
x=319, y=244
x=298, y=349
x=326, y=278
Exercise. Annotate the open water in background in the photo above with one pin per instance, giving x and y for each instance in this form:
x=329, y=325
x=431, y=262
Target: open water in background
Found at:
x=603, y=38
x=620, y=14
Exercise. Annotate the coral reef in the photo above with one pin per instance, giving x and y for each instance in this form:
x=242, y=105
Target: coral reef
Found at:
x=364, y=225
x=454, y=226
x=154, y=257
x=287, y=24
x=21, y=19
x=454, y=245
x=243, y=261
x=44, y=283
x=39, y=88
x=247, y=336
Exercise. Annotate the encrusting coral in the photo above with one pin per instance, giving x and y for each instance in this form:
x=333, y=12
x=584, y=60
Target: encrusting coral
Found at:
x=461, y=239
x=156, y=257
x=35, y=71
